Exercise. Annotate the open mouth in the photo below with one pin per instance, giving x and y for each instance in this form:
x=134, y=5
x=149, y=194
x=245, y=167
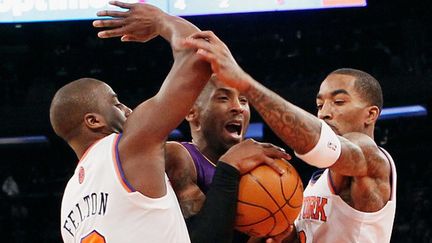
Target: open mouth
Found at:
x=234, y=128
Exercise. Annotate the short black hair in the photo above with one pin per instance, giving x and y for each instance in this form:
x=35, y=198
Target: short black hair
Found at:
x=71, y=103
x=368, y=87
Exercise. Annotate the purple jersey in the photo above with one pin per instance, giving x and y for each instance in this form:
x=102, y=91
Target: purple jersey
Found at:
x=205, y=171
x=205, y=168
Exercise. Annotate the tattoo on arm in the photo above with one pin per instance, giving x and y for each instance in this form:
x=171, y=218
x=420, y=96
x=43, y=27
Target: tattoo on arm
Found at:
x=190, y=197
x=191, y=206
x=297, y=128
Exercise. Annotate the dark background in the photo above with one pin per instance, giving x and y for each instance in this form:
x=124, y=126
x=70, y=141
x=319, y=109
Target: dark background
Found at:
x=289, y=52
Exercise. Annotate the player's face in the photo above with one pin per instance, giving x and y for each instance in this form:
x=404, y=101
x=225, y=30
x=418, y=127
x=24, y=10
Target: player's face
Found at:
x=225, y=117
x=114, y=112
x=340, y=105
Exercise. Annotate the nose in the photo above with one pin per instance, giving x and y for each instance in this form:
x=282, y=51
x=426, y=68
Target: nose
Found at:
x=237, y=106
x=127, y=111
x=325, y=113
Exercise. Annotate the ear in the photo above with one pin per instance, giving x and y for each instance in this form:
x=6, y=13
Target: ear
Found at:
x=372, y=115
x=94, y=121
x=192, y=118
x=192, y=115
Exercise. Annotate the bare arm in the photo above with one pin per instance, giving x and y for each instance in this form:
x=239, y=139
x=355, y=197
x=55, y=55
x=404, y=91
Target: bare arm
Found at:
x=361, y=170
x=142, y=145
x=296, y=127
x=181, y=171
x=360, y=159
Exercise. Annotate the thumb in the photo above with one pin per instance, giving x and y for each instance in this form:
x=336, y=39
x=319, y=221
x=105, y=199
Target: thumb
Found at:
x=130, y=38
x=125, y=38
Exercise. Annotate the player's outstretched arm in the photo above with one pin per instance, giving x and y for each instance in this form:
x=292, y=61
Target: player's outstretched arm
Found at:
x=141, y=147
x=296, y=127
x=141, y=22
x=302, y=130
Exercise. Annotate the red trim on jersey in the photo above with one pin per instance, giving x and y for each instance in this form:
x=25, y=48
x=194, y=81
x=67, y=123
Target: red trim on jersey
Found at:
x=117, y=166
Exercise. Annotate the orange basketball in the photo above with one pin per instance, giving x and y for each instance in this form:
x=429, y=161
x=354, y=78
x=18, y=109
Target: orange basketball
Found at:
x=268, y=203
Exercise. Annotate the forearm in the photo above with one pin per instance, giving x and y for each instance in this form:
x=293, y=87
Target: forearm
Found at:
x=173, y=27
x=186, y=79
x=215, y=221
x=296, y=127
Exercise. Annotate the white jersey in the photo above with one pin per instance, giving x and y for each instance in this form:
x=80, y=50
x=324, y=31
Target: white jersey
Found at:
x=99, y=205
x=326, y=218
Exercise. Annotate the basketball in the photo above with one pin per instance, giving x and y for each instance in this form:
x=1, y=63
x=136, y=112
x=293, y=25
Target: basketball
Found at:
x=268, y=203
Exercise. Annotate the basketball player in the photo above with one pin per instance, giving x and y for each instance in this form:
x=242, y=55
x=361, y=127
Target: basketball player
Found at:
x=354, y=199
x=119, y=192
x=218, y=120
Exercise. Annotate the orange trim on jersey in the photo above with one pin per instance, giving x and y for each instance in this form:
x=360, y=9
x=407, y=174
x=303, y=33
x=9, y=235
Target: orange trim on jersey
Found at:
x=88, y=150
x=93, y=237
x=117, y=166
x=343, y=2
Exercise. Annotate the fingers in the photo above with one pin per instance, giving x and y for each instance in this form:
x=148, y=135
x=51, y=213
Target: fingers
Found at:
x=274, y=165
x=108, y=23
x=126, y=38
x=208, y=57
x=197, y=43
x=271, y=154
x=111, y=33
x=204, y=49
x=207, y=35
x=121, y=4
x=275, y=151
x=130, y=38
x=112, y=13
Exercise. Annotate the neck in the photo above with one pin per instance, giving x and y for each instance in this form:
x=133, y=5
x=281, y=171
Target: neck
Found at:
x=211, y=152
x=81, y=144
x=370, y=131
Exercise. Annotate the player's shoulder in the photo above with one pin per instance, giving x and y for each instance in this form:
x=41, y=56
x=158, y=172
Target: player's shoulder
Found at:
x=177, y=156
x=377, y=160
x=363, y=142
x=174, y=149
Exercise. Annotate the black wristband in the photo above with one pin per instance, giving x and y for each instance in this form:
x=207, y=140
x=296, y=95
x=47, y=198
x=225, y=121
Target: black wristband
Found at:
x=226, y=176
x=215, y=221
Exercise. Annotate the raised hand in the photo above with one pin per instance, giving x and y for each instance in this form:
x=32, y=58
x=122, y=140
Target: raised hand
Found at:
x=248, y=154
x=223, y=64
x=139, y=23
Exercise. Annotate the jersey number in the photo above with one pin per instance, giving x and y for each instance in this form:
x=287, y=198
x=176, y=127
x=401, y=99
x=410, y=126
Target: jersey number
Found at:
x=93, y=237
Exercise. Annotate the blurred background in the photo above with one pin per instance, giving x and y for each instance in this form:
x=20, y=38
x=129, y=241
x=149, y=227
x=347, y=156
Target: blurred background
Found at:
x=288, y=51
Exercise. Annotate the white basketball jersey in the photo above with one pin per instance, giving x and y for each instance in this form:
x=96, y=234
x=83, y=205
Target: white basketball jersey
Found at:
x=326, y=218
x=99, y=205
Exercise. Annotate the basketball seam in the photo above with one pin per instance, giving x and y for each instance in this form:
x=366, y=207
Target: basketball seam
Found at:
x=272, y=214
x=280, y=208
